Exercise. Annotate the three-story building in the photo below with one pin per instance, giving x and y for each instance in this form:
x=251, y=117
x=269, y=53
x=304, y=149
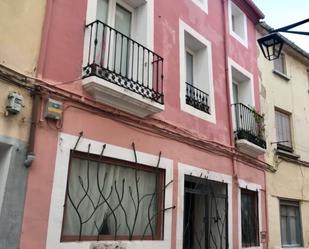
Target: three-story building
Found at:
x=284, y=94
x=148, y=133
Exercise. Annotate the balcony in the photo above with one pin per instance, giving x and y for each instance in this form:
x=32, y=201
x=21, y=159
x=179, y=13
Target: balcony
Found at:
x=249, y=133
x=197, y=98
x=122, y=73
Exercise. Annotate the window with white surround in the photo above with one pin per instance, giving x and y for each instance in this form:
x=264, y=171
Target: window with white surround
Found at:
x=290, y=222
x=130, y=17
x=238, y=23
x=248, y=124
x=249, y=214
x=203, y=4
x=119, y=67
x=204, y=208
x=249, y=218
x=5, y=156
x=99, y=189
x=205, y=220
x=112, y=199
x=196, y=81
x=241, y=87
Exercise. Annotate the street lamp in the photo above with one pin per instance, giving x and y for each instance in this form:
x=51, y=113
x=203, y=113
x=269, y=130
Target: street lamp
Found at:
x=271, y=45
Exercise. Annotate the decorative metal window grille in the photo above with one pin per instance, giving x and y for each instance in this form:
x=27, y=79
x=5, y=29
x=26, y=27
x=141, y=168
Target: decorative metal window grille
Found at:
x=205, y=214
x=249, y=125
x=110, y=199
x=249, y=218
x=115, y=57
x=197, y=98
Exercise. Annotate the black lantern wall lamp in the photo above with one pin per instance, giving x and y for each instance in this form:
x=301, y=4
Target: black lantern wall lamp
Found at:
x=271, y=45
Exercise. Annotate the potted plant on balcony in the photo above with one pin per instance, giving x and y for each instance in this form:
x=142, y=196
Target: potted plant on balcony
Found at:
x=260, y=126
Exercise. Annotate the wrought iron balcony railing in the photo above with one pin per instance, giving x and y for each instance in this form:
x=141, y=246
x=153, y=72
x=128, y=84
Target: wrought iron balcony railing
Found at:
x=249, y=125
x=197, y=98
x=122, y=61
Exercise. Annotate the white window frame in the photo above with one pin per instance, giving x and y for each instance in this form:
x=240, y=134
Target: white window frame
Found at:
x=4, y=169
x=232, y=64
x=189, y=51
x=243, y=184
x=91, y=16
x=183, y=27
x=242, y=40
x=66, y=143
x=203, y=5
x=185, y=169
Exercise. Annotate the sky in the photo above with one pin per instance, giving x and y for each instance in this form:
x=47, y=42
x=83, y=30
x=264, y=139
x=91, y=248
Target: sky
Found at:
x=279, y=13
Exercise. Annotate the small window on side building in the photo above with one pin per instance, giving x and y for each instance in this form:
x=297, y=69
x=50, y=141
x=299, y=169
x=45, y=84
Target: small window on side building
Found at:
x=290, y=222
x=280, y=65
x=283, y=130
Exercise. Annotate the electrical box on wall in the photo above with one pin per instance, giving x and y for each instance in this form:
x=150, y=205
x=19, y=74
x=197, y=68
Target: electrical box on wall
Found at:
x=53, y=109
x=14, y=103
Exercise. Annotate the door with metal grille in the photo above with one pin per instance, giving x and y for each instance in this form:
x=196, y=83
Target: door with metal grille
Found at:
x=205, y=214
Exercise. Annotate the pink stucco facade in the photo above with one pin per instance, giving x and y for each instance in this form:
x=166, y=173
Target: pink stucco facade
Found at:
x=180, y=136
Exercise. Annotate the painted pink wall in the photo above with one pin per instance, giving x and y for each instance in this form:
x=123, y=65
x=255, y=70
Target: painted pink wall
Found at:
x=62, y=55
x=61, y=60
x=34, y=229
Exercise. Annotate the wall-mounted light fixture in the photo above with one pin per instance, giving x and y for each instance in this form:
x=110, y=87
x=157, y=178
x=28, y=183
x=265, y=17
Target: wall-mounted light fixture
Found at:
x=271, y=45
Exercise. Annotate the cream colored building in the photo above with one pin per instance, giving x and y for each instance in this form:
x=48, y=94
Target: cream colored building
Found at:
x=21, y=25
x=284, y=94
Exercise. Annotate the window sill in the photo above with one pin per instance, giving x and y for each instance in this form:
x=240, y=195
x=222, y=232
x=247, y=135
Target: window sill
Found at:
x=242, y=40
x=286, y=154
x=282, y=75
x=202, y=6
x=293, y=246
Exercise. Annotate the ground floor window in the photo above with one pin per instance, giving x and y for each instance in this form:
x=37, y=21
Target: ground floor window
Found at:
x=291, y=232
x=110, y=199
x=205, y=214
x=249, y=218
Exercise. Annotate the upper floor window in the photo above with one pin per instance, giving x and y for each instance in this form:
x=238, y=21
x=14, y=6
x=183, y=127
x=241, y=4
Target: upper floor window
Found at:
x=249, y=218
x=110, y=199
x=118, y=56
x=196, y=74
x=238, y=23
x=283, y=130
x=280, y=65
x=290, y=222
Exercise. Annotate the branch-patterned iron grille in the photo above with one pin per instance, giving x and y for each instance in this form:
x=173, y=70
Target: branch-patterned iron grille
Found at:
x=249, y=125
x=120, y=60
x=109, y=199
x=197, y=98
x=205, y=214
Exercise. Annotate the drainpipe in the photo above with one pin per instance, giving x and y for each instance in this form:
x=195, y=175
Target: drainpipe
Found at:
x=35, y=105
x=232, y=143
x=231, y=129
